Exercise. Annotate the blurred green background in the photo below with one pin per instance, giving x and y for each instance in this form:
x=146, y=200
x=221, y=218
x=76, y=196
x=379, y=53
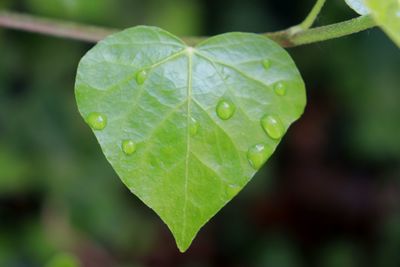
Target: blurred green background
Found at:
x=329, y=197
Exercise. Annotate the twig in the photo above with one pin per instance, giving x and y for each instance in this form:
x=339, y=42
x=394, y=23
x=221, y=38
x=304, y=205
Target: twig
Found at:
x=288, y=38
x=76, y=31
x=53, y=27
x=312, y=16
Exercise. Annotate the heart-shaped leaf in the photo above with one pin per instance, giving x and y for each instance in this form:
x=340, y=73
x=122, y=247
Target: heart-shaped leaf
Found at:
x=186, y=128
x=387, y=15
x=358, y=6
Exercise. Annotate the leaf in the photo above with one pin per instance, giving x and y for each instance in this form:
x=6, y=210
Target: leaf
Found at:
x=358, y=6
x=387, y=15
x=186, y=128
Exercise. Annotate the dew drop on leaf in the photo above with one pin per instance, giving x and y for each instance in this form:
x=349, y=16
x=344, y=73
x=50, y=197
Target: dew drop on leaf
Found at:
x=194, y=126
x=141, y=77
x=96, y=121
x=272, y=126
x=258, y=155
x=280, y=89
x=266, y=63
x=225, y=109
x=128, y=147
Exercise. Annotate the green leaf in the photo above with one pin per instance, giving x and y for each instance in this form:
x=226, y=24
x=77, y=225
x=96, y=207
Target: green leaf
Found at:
x=387, y=15
x=186, y=128
x=358, y=6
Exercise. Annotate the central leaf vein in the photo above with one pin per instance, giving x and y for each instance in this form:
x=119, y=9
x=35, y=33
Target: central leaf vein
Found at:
x=189, y=97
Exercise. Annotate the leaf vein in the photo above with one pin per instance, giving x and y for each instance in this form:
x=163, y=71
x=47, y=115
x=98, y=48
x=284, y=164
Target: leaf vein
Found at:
x=212, y=60
x=189, y=97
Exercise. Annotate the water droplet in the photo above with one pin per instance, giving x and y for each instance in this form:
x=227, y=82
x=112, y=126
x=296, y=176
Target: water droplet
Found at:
x=128, y=147
x=96, y=121
x=258, y=154
x=266, y=63
x=141, y=77
x=280, y=89
x=232, y=190
x=272, y=126
x=225, y=109
x=194, y=126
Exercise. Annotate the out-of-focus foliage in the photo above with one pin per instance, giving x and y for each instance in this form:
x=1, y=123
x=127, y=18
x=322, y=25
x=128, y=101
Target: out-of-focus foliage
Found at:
x=371, y=104
x=340, y=254
x=63, y=260
x=182, y=17
x=277, y=251
x=82, y=10
x=390, y=242
x=5, y=3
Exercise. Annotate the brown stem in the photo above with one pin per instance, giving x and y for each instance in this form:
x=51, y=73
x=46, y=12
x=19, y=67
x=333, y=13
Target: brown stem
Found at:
x=53, y=27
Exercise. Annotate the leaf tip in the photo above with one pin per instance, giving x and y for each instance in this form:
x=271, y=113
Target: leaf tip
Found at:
x=184, y=239
x=183, y=245
x=182, y=249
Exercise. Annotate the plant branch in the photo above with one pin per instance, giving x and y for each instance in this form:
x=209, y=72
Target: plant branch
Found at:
x=53, y=27
x=286, y=38
x=290, y=38
x=312, y=16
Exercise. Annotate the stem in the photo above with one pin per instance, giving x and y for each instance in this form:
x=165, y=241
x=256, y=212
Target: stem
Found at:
x=63, y=29
x=286, y=38
x=52, y=27
x=312, y=16
x=334, y=31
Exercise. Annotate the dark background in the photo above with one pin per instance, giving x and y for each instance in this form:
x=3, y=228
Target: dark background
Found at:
x=329, y=197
